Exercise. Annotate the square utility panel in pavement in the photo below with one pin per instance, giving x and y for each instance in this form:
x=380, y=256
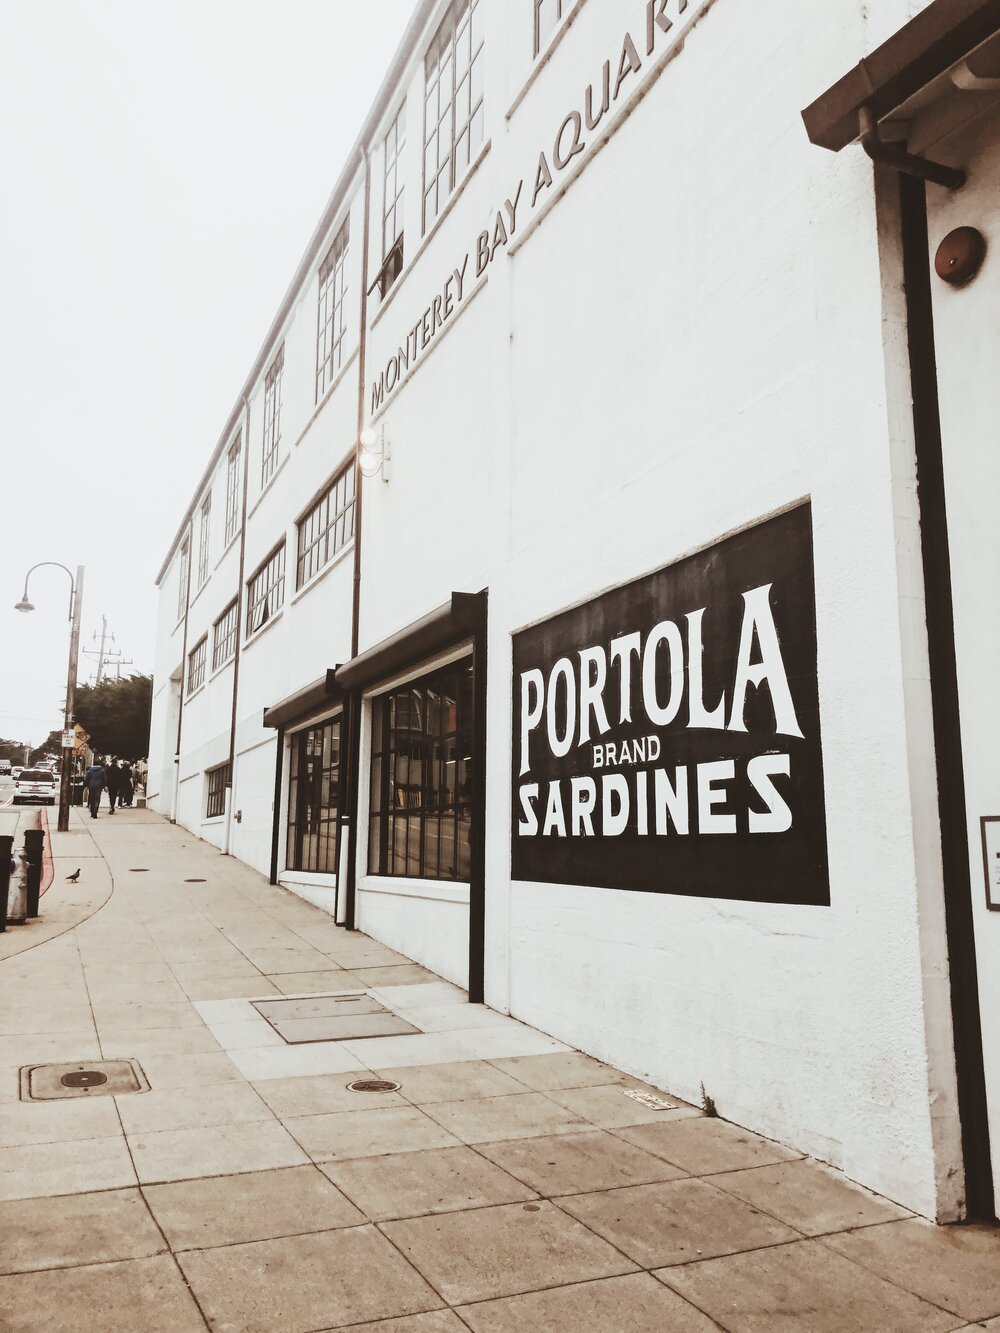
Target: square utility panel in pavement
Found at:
x=332, y=1018
x=93, y=1078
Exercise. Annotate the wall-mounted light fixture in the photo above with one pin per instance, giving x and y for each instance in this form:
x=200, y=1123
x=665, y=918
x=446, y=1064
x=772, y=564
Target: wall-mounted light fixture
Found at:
x=375, y=451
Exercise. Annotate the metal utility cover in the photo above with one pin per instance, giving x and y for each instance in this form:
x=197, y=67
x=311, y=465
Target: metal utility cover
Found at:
x=332, y=1018
x=296, y=1030
x=92, y=1078
x=319, y=1006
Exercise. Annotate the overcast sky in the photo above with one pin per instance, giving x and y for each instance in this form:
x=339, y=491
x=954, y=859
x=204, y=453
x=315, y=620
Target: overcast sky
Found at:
x=164, y=165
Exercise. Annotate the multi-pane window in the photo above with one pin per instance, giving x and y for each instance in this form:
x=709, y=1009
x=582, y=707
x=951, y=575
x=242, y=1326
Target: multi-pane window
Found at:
x=392, y=201
x=218, y=778
x=233, y=490
x=331, y=327
x=272, y=417
x=327, y=528
x=453, y=102
x=183, y=573
x=421, y=777
x=548, y=15
x=204, y=539
x=224, y=636
x=196, y=665
x=313, y=790
x=266, y=591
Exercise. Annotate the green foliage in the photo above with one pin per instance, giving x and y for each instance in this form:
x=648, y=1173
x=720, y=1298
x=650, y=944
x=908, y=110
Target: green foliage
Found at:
x=12, y=750
x=52, y=745
x=116, y=713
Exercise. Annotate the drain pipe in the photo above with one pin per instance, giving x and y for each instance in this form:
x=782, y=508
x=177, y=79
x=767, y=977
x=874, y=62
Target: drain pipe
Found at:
x=352, y=708
x=896, y=157
x=231, y=784
x=175, y=798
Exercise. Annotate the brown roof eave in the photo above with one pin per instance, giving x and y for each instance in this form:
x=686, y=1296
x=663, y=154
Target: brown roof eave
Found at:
x=940, y=36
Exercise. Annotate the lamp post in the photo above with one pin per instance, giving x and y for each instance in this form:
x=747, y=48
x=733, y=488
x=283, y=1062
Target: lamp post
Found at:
x=75, y=603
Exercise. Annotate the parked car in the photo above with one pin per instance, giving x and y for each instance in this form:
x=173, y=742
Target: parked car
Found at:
x=34, y=784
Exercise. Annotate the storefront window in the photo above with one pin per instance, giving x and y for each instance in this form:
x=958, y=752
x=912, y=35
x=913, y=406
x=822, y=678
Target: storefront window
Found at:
x=313, y=789
x=421, y=777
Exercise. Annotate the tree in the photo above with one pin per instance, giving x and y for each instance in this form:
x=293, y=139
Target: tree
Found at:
x=52, y=745
x=12, y=750
x=116, y=713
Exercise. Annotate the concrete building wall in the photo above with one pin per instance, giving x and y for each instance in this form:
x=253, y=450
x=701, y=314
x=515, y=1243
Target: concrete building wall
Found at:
x=685, y=330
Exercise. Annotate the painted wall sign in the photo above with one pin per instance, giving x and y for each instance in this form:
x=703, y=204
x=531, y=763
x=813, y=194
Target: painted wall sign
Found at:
x=990, y=825
x=666, y=734
x=659, y=28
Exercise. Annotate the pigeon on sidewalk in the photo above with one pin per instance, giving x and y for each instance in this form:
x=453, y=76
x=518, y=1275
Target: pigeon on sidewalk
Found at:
x=74, y=877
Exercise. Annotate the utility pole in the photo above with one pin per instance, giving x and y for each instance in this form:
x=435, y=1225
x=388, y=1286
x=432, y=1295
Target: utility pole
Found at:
x=106, y=657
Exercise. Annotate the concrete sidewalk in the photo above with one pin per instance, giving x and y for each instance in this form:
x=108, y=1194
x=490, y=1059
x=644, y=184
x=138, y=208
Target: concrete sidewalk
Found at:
x=509, y=1184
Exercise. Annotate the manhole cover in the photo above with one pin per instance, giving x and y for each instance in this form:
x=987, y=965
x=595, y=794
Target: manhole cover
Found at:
x=84, y=1078
x=196, y=881
x=138, y=870
x=97, y=1078
x=373, y=1085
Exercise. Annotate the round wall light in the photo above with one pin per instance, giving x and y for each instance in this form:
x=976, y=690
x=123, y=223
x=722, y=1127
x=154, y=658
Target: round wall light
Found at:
x=373, y=452
x=960, y=256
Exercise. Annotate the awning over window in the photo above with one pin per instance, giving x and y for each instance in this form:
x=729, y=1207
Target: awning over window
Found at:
x=946, y=33
x=309, y=699
x=458, y=619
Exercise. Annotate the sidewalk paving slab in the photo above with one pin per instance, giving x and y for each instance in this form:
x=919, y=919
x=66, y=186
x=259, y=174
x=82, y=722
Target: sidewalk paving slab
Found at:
x=509, y=1177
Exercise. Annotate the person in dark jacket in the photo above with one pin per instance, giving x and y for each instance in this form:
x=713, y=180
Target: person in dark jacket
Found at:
x=95, y=780
x=114, y=783
x=125, y=788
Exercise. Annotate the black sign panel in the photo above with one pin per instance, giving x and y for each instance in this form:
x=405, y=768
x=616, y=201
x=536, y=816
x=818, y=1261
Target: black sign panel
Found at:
x=666, y=734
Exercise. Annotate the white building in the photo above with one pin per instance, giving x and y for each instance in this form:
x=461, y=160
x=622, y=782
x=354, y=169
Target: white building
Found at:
x=647, y=687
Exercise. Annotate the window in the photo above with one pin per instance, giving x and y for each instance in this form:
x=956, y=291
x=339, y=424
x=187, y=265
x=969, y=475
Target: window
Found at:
x=224, y=636
x=327, y=528
x=313, y=791
x=196, y=665
x=421, y=777
x=218, y=780
x=332, y=288
x=204, y=542
x=453, y=102
x=233, y=489
x=392, y=202
x=266, y=591
x=272, y=417
x=548, y=15
x=182, y=585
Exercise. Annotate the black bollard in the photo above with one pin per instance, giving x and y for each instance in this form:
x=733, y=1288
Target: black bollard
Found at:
x=6, y=848
x=34, y=839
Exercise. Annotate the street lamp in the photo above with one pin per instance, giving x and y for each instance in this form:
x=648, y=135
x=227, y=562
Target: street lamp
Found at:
x=75, y=602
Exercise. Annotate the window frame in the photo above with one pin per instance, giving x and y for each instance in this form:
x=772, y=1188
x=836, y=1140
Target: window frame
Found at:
x=331, y=324
x=271, y=442
x=270, y=604
x=225, y=639
x=562, y=9
x=218, y=779
x=322, y=509
x=422, y=811
x=233, y=488
x=393, y=180
x=321, y=857
x=461, y=16
x=204, y=539
x=197, y=664
x=185, y=557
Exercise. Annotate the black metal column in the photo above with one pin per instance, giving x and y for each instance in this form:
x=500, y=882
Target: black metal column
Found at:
x=959, y=924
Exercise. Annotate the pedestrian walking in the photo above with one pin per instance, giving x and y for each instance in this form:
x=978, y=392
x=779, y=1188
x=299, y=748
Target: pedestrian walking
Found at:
x=95, y=780
x=114, y=783
x=125, y=785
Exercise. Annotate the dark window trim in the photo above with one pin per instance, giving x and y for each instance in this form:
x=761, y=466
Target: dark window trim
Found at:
x=347, y=475
x=197, y=663
x=227, y=641
x=278, y=581
x=218, y=779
